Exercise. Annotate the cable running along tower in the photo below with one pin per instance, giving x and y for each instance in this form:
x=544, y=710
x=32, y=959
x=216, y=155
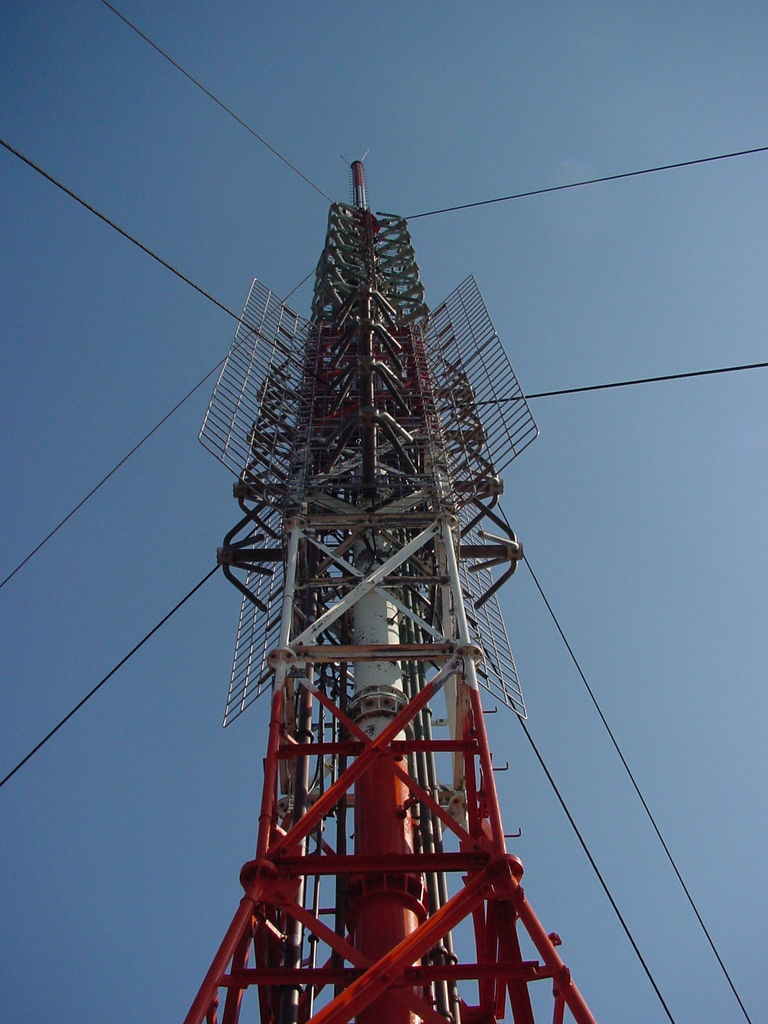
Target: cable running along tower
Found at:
x=381, y=891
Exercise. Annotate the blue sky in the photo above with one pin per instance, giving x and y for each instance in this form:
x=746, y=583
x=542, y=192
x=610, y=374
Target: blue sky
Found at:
x=641, y=510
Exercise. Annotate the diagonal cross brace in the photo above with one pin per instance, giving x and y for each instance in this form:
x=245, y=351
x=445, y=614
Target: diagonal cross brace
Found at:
x=411, y=783
x=301, y=829
x=354, y=571
x=389, y=968
x=348, y=952
x=426, y=799
x=369, y=583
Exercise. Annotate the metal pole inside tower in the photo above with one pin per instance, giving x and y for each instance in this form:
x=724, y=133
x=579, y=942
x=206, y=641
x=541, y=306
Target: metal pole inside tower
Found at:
x=381, y=916
x=368, y=481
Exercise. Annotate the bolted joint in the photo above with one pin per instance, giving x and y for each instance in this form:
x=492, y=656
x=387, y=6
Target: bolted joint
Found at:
x=510, y=546
x=377, y=701
x=562, y=979
x=470, y=652
x=505, y=873
x=256, y=870
x=281, y=656
x=263, y=882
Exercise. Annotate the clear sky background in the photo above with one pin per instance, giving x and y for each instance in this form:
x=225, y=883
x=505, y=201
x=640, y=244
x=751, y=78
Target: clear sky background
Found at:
x=641, y=510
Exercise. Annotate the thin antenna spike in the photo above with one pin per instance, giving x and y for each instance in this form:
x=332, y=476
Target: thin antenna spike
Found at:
x=358, y=185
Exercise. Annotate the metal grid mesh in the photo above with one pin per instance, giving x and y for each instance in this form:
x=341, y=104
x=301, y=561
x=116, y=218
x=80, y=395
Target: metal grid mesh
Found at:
x=497, y=672
x=258, y=633
x=249, y=425
x=486, y=419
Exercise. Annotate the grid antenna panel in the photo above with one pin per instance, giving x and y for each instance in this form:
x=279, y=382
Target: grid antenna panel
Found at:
x=497, y=672
x=258, y=633
x=250, y=421
x=485, y=418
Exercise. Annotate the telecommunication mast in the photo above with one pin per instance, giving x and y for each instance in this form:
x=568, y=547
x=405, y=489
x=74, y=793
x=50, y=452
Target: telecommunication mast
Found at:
x=367, y=444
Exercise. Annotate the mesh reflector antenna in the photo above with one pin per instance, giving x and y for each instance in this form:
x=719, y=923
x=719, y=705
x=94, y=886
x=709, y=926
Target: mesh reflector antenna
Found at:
x=485, y=418
x=497, y=673
x=250, y=427
x=250, y=422
x=257, y=635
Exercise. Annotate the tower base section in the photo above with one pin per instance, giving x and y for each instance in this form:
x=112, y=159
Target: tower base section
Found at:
x=404, y=970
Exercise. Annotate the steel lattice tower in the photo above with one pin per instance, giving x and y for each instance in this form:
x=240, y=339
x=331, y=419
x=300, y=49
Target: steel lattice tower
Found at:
x=367, y=446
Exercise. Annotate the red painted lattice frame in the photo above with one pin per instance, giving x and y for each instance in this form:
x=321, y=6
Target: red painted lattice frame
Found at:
x=490, y=893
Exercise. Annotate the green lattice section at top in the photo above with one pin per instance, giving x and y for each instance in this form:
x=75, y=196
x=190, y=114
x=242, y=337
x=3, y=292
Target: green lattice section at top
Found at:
x=341, y=268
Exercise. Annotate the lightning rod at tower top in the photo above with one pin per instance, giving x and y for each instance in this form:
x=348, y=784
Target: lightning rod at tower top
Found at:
x=368, y=480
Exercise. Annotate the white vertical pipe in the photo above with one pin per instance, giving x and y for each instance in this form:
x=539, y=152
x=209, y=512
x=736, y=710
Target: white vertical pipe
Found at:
x=281, y=658
x=465, y=640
